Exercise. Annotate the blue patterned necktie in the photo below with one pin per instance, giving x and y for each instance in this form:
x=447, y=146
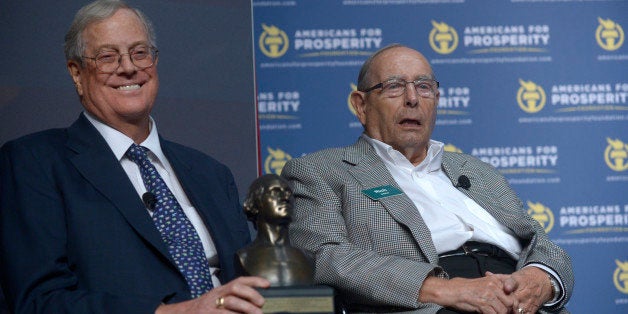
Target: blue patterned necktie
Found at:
x=176, y=230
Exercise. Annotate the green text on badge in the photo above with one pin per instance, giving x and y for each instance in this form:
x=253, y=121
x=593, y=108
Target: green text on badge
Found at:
x=381, y=192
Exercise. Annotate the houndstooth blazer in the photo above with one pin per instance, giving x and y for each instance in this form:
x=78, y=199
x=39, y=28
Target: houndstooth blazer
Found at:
x=377, y=253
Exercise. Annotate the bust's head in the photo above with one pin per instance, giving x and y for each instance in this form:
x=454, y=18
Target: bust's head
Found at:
x=269, y=200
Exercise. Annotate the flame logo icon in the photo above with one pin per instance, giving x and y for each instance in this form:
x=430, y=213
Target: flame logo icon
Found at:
x=275, y=161
x=616, y=154
x=452, y=148
x=542, y=215
x=443, y=38
x=530, y=97
x=609, y=35
x=620, y=276
x=273, y=42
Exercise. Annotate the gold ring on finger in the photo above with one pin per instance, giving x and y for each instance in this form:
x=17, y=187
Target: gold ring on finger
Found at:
x=220, y=302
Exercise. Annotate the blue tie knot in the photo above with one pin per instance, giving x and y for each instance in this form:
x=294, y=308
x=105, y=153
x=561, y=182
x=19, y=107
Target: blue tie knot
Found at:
x=137, y=153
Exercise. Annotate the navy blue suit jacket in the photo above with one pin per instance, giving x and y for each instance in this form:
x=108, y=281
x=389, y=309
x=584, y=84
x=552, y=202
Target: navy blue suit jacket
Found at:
x=75, y=237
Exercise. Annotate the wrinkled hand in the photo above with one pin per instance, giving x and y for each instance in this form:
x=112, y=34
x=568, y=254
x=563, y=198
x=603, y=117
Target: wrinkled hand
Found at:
x=530, y=287
x=238, y=296
x=482, y=295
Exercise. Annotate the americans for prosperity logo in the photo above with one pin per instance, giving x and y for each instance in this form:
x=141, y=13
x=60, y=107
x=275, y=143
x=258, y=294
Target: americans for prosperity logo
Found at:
x=542, y=214
x=493, y=43
x=443, y=38
x=620, y=276
x=304, y=46
x=452, y=148
x=523, y=164
x=454, y=106
x=530, y=96
x=609, y=34
x=573, y=101
x=278, y=104
x=275, y=160
x=279, y=110
x=593, y=218
x=273, y=42
x=616, y=155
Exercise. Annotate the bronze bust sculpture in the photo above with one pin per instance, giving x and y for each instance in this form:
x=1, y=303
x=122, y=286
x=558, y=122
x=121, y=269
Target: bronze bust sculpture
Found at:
x=269, y=205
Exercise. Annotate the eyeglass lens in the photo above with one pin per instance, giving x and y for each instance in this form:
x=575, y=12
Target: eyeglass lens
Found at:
x=141, y=57
x=395, y=88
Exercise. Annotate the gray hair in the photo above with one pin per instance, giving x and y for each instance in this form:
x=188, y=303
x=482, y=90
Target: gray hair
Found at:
x=97, y=11
x=363, y=80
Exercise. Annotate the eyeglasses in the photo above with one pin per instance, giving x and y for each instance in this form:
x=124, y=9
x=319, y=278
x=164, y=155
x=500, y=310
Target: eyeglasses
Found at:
x=108, y=61
x=425, y=88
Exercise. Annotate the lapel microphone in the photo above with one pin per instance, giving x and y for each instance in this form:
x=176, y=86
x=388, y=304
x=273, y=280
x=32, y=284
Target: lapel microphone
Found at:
x=150, y=200
x=463, y=182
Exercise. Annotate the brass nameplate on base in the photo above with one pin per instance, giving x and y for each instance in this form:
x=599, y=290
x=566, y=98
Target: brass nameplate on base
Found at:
x=298, y=299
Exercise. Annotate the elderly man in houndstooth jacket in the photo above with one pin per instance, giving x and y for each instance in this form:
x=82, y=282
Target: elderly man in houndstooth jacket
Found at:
x=397, y=224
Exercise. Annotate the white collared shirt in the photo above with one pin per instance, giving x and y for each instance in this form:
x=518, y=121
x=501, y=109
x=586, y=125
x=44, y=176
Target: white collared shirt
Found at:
x=120, y=143
x=452, y=217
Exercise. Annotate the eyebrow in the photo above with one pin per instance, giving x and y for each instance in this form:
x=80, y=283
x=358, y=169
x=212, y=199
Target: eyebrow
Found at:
x=417, y=78
x=116, y=48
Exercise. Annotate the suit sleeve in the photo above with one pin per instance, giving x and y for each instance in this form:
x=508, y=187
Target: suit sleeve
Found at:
x=35, y=271
x=540, y=249
x=361, y=274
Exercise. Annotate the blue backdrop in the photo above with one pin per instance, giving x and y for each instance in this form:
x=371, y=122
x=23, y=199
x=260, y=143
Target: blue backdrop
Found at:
x=538, y=89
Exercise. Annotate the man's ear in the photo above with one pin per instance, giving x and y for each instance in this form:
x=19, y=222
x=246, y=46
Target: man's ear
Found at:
x=75, y=72
x=358, y=102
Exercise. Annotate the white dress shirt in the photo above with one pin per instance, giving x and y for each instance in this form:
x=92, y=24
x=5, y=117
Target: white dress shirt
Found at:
x=452, y=217
x=120, y=143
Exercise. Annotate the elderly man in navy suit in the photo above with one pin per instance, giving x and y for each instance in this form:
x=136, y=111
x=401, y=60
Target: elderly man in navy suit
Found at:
x=106, y=216
x=396, y=223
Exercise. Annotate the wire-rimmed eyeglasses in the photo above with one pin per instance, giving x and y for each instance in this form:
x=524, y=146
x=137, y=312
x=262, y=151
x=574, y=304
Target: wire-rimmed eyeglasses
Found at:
x=108, y=61
x=424, y=87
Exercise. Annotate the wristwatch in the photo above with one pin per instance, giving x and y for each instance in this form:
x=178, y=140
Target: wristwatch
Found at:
x=555, y=287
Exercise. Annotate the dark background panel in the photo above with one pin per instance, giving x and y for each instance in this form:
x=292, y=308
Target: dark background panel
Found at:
x=206, y=98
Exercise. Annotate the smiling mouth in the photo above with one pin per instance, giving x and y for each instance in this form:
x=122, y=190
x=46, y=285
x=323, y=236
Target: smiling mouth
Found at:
x=129, y=87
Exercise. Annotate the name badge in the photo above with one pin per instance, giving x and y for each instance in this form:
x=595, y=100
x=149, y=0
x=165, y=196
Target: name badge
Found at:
x=381, y=192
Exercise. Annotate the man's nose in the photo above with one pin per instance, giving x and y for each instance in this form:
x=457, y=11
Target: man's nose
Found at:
x=412, y=96
x=125, y=64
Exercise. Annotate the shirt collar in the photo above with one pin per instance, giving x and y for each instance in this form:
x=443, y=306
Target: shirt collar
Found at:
x=431, y=163
x=120, y=143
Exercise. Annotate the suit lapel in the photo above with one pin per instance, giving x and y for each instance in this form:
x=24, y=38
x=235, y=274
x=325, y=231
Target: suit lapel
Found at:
x=198, y=190
x=93, y=158
x=205, y=194
x=369, y=170
x=484, y=195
